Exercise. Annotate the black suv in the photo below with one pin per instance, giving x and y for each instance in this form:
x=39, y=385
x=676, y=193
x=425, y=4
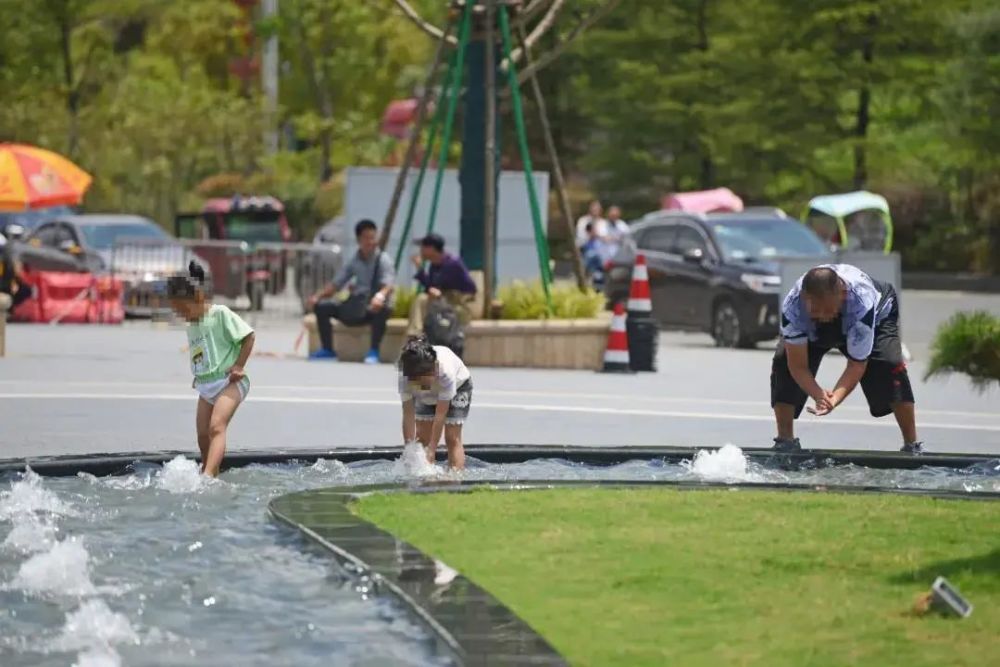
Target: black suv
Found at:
x=718, y=272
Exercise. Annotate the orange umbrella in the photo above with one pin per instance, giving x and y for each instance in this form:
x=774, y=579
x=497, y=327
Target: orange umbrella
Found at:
x=33, y=177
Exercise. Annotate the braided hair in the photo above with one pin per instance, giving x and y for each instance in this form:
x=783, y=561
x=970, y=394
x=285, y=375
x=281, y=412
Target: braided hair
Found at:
x=189, y=286
x=417, y=358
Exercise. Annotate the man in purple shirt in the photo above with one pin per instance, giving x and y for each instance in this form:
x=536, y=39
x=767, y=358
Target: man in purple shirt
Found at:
x=444, y=278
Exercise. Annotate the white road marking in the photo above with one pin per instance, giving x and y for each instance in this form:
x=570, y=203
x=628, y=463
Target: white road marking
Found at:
x=673, y=414
x=568, y=395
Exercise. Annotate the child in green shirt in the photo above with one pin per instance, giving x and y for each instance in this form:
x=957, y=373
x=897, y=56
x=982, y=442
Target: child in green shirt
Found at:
x=219, y=343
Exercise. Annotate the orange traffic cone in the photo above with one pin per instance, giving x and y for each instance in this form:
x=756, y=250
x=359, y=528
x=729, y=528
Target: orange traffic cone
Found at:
x=639, y=302
x=643, y=330
x=616, y=352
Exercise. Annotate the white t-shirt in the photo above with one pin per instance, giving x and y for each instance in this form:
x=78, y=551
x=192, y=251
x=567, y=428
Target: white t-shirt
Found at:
x=600, y=227
x=449, y=376
x=618, y=230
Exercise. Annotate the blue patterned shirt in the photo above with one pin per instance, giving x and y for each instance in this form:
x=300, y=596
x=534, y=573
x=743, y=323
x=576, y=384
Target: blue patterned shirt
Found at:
x=864, y=308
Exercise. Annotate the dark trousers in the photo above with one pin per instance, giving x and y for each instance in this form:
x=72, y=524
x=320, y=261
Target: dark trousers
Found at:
x=22, y=294
x=324, y=310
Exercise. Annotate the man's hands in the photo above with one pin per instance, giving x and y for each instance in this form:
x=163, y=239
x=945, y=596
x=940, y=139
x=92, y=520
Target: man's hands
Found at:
x=377, y=302
x=825, y=403
x=418, y=261
x=312, y=301
x=434, y=293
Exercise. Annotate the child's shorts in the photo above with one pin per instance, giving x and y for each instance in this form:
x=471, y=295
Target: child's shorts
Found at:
x=458, y=410
x=209, y=391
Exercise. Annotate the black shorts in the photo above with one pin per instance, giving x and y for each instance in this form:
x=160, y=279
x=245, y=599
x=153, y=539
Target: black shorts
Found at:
x=884, y=383
x=458, y=409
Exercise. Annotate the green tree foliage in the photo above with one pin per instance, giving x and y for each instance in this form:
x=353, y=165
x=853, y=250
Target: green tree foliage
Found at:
x=781, y=101
x=778, y=100
x=142, y=94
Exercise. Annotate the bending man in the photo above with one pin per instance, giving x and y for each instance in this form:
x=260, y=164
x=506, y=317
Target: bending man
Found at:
x=841, y=307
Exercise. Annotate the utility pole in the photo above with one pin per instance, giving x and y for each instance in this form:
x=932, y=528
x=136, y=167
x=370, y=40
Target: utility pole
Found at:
x=269, y=80
x=490, y=192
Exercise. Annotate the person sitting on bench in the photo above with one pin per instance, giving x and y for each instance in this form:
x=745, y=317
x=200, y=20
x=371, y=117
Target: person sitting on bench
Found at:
x=370, y=300
x=446, y=277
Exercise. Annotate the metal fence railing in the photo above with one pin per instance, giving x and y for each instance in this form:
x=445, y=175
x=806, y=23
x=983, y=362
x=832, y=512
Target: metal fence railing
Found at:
x=142, y=266
x=264, y=280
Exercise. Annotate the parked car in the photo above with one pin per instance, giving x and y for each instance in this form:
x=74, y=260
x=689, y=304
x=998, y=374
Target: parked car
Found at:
x=30, y=219
x=716, y=273
x=135, y=249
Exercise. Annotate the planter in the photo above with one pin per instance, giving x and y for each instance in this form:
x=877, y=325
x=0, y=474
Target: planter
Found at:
x=575, y=344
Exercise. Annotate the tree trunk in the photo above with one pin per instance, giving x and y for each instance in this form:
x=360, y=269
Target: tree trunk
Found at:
x=707, y=176
x=707, y=169
x=557, y=173
x=320, y=94
x=860, y=135
x=551, y=82
x=72, y=92
x=863, y=117
x=490, y=166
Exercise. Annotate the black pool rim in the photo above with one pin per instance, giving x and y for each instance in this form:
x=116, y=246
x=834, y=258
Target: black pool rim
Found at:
x=104, y=464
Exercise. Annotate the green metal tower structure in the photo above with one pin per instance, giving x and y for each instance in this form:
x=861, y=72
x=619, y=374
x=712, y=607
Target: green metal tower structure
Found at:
x=482, y=65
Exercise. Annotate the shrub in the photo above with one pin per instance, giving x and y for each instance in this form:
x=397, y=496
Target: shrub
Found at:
x=968, y=343
x=404, y=299
x=523, y=301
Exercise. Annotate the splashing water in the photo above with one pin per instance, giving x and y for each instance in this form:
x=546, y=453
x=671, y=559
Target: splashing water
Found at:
x=413, y=462
x=100, y=657
x=62, y=570
x=326, y=467
x=94, y=626
x=727, y=464
x=30, y=535
x=28, y=496
x=182, y=475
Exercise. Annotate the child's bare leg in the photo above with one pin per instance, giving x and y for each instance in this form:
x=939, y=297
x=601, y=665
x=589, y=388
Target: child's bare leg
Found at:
x=424, y=436
x=222, y=413
x=202, y=418
x=456, y=451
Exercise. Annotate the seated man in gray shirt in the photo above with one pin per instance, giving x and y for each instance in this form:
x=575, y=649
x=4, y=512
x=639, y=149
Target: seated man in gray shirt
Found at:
x=371, y=277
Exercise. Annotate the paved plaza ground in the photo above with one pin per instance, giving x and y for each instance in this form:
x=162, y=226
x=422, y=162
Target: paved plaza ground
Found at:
x=78, y=389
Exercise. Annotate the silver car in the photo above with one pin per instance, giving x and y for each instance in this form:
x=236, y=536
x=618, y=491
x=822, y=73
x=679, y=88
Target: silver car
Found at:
x=132, y=248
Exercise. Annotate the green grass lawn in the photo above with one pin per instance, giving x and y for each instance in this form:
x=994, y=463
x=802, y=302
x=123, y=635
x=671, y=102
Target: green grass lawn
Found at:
x=656, y=576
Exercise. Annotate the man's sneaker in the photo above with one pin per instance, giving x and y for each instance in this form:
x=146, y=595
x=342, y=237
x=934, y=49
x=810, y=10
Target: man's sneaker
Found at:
x=915, y=448
x=787, y=445
x=323, y=353
x=372, y=357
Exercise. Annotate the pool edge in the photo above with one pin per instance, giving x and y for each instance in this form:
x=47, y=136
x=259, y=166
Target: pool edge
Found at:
x=499, y=637
x=104, y=463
